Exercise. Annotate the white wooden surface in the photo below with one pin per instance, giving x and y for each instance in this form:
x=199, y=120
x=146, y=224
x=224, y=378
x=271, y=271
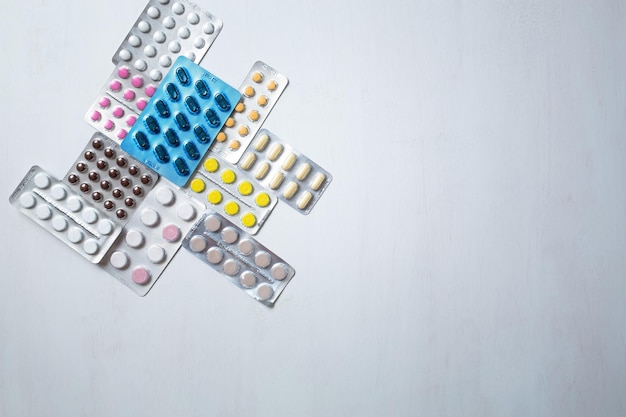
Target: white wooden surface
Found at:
x=467, y=260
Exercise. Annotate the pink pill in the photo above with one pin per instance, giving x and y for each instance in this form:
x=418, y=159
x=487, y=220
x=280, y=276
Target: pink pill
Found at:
x=95, y=115
x=140, y=275
x=109, y=125
x=150, y=90
x=104, y=102
x=171, y=233
x=118, y=112
x=131, y=121
x=115, y=85
x=123, y=72
x=141, y=104
x=137, y=81
x=129, y=95
x=121, y=134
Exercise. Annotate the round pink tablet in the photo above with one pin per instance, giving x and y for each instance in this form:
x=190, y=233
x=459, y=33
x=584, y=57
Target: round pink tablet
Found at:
x=118, y=112
x=129, y=95
x=130, y=121
x=141, y=104
x=109, y=125
x=95, y=115
x=123, y=72
x=150, y=90
x=140, y=275
x=171, y=233
x=104, y=102
x=137, y=81
x=121, y=134
x=115, y=85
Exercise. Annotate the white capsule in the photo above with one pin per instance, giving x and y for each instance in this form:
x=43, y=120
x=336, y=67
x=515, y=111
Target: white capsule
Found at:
x=261, y=142
x=262, y=170
x=247, y=161
x=290, y=190
x=277, y=180
x=275, y=152
x=289, y=161
x=317, y=181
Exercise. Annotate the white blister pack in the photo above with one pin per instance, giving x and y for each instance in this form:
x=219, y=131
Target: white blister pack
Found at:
x=65, y=214
x=152, y=237
x=234, y=253
x=165, y=30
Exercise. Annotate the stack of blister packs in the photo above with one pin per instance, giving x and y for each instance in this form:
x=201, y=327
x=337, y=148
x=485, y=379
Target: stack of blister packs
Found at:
x=179, y=158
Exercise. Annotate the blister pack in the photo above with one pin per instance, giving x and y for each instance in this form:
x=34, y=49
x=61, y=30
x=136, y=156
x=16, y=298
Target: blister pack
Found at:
x=110, y=179
x=232, y=193
x=260, y=91
x=181, y=120
x=110, y=117
x=237, y=255
x=65, y=214
x=165, y=30
x=152, y=237
x=294, y=178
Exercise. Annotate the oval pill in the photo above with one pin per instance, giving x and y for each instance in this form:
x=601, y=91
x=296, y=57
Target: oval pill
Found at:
x=275, y=151
x=304, y=200
x=290, y=190
x=303, y=171
x=247, y=161
x=262, y=170
x=317, y=181
x=261, y=142
x=276, y=180
x=289, y=161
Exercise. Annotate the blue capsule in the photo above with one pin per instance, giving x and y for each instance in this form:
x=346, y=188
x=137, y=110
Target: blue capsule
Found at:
x=172, y=137
x=172, y=91
x=192, y=105
x=161, y=153
x=202, y=89
x=141, y=140
x=162, y=108
x=192, y=151
x=212, y=117
x=152, y=124
x=182, y=122
x=201, y=134
x=181, y=167
x=182, y=75
x=222, y=102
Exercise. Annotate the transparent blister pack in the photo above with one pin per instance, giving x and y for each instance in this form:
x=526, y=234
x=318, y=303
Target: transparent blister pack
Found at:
x=276, y=165
x=65, y=214
x=181, y=121
x=152, y=237
x=110, y=179
x=238, y=256
x=165, y=30
x=260, y=91
x=110, y=117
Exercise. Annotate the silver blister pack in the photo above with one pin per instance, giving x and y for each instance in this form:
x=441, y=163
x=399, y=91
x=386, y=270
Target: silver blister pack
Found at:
x=110, y=117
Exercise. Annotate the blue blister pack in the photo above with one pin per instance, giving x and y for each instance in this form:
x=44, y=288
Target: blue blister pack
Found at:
x=181, y=121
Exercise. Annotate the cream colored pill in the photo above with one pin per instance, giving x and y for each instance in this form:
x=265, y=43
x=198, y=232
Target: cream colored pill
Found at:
x=197, y=244
x=247, y=279
x=289, y=161
x=290, y=190
x=214, y=255
x=275, y=152
x=262, y=171
x=277, y=180
x=231, y=267
x=247, y=161
x=304, y=200
x=264, y=292
x=317, y=181
x=261, y=142
x=279, y=271
x=303, y=171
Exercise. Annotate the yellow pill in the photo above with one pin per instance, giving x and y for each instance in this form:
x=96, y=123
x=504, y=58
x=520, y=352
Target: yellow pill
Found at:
x=272, y=85
x=245, y=188
x=275, y=152
x=277, y=180
x=262, y=101
x=230, y=122
x=243, y=130
x=211, y=165
x=214, y=197
x=231, y=208
x=234, y=145
x=221, y=137
x=304, y=200
x=303, y=171
x=317, y=181
x=248, y=91
x=240, y=107
x=197, y=185
x=228, y=176
x=289, y=161
x=253, y=115
x=290, y=190
x=247, y=161
x=248, y=220
x=262, y=199
x=257, y=77
x=262, y=171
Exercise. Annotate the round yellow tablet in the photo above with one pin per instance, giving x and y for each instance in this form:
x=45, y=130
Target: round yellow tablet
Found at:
x=245, y=187
x=243, y=130
x=248, y=220
x=262, y=101
x=253, y=115
x=221, y=137
x=257, y=77
x=272, y=85
x=262, y=199
x=248, y=91
x=230, y=122
x=197, y=185
x=228, y=176
x=231, y=208
x=240, y=107
x=214, y=197
x=234, y=144
x=211, y=165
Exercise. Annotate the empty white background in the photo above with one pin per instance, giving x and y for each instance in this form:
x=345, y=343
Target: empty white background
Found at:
x=469, y=258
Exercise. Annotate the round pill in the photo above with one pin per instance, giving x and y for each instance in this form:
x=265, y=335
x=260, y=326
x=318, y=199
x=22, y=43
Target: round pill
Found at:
x=248, y=220
x=197, y=185
x=90, y=215
x=304, y=200
x=153, y=12
x=91, y=246
x=234, y=145
x=184, y=33
x=140, y=64
x=247, y=161
x=257, y=77
x=289, y=161
x=211, y=165
x=246, y=246
x=245, y=188
x=155, y=74
x=95, y=115
x=230, y=235
x=159, y=37
x=165, y=196
x=144, y=26
x=193, y=18
x=149, y=217
x=199, y=43
x=247, y=279
x=109, y=125
x=243, y=130
x=275, y=151
x=131, y=120
x=75, y=235
x=197, y=244
x=104, y=102
x=156, y=254
x=212, y=223
x=317, y=181
x=141, y=104
x=115, y=85
x=58, y=192
x=279, y=271
x=262, y=101
x=208, y=28
x=169, y=22
x=121, y=134
x=41, y=180
x=214, y=255
x=134, y=40
x=174, y=47
x=214, y=197
x=262, y=199
x=231, y=208
x=221, y=137
x=253, y=116
x=134, y=238
x=264, y=292
x=137, y=81
x=178, y=8
x=28, y=200
x=272, y=85
x=303, y=171
x=150, y=51
x=230, y=122
x=276, y=180
x=140, y=275
x=262, y=170
x=191, y=56
x=59, y=223
x=125, y=55
x=186, y=212
x=231, y=267
x=74, y=203
x=228, y=176
x=119, y=260
x=290, y=190
x=240, y=107
x=118, y=112
x=105, y=226
x=261, y=142
x=262, y=259
x=171, y=233
x=248, y=91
